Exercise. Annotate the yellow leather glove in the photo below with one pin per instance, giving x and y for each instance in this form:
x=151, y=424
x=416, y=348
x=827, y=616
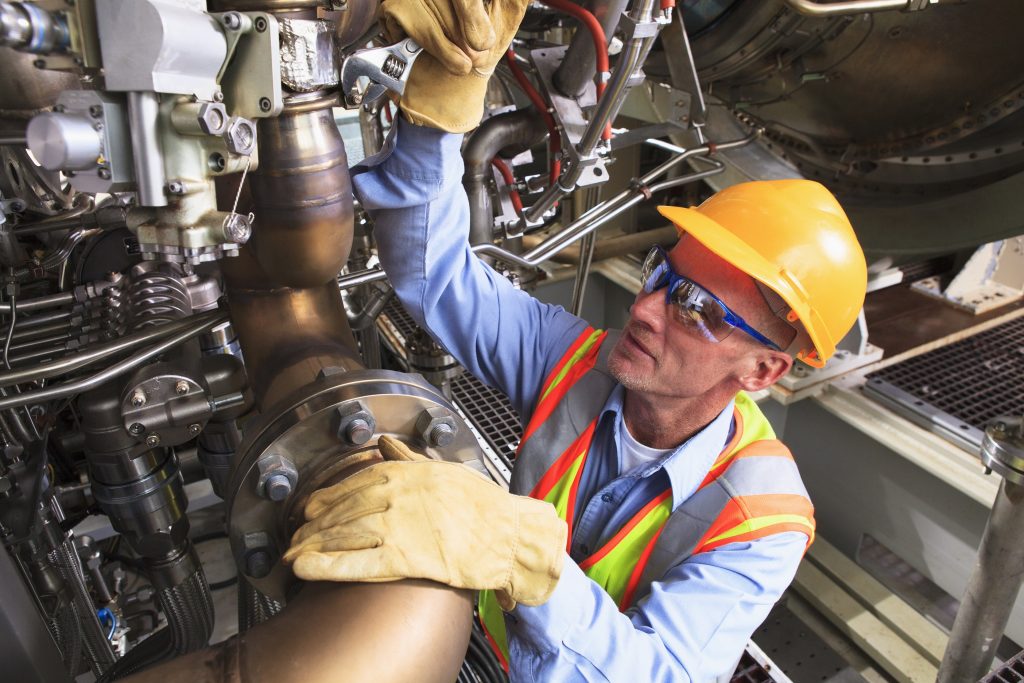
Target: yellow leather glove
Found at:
x=462, y=42
x=410, y=517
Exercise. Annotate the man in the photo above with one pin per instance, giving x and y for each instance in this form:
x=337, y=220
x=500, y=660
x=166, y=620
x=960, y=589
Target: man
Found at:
x=684, y=519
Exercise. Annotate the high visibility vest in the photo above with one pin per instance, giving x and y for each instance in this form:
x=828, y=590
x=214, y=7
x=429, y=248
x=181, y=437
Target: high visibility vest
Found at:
x=752, y=490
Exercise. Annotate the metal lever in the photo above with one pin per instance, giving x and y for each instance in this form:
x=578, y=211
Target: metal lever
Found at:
x=366, y=75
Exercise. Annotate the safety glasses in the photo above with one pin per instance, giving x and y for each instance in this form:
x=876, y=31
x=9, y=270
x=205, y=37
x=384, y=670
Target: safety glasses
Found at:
x=694, y=306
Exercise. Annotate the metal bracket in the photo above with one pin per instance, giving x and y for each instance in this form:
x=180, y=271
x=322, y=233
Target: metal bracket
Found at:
x=251, y=75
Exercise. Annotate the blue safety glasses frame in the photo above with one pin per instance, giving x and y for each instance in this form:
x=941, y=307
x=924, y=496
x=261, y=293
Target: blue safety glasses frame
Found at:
x=693, y=305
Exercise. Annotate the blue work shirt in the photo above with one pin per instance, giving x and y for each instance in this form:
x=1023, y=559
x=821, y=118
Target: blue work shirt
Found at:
x=695, y=622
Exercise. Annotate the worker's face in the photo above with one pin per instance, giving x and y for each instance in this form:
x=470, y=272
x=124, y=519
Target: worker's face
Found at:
x=657, y=354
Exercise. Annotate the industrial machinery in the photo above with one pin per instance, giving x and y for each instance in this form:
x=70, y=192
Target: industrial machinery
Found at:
x=191, y=313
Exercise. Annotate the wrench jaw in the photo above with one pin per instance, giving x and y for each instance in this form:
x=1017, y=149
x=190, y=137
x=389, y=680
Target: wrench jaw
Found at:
x=367, y=75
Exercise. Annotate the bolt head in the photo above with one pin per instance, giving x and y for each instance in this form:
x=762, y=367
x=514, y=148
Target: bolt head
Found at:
x=181, y=387
x=240, y=136
x=176, y=187
x=278, y=487
x=153, y=440
x=194, y=429
x=136, y=429
x=212, y=118
x=232, y=20
x=138, y=398
x=104, y=173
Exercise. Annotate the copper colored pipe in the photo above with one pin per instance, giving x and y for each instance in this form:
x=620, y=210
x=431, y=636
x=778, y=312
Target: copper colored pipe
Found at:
x=406, y=631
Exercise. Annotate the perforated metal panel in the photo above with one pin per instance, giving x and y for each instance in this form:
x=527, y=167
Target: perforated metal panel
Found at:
x=956, y=389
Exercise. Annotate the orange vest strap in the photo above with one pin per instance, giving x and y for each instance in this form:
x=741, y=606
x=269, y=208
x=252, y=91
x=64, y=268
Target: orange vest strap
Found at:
x=638, y=571
x=769, y=447
x=563, y=377
x=757, y=516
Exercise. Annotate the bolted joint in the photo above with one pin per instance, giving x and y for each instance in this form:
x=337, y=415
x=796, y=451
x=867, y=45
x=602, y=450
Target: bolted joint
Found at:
x=355, y=423
x=437, y=427
x=138, y=398
x=277, y=478
x=212, y=118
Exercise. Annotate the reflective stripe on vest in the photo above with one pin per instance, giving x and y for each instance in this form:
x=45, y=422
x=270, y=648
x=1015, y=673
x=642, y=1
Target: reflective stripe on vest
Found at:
x=751, y=491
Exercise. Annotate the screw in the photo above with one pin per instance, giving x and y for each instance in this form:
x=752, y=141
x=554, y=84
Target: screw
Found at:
x=104, y=173
x=257, y=564
x=176, y=187
x=441, y=435
x=138, y=398
x=39, y=64
x=194, y=429
x=153, y=440
x=218, y=96
x=266, y=104
x=95, y=111
x=260, y=23
x=136, y=428
x=181, y=387
x=278, y=487
x=358, y=431
x=232, y=20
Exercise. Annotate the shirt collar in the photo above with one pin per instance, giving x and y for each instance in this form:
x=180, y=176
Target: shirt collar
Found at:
x=689, y=463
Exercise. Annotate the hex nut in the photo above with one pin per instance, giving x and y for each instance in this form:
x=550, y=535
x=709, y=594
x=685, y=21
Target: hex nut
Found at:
x=330, y=371
x=257, y=554
x=181, y=387
x=437, y=427
x=213, y=118
x=240, y=136
x=268, y=485
x=355, y=423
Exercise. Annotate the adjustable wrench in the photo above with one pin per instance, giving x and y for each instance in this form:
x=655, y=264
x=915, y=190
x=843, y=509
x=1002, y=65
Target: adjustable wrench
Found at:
x=366, y=75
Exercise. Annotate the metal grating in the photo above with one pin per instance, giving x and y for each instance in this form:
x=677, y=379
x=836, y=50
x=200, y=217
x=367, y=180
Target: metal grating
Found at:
x=1010, y=672
x=800, y=652
x=956, y=389
x=491, y=413
x=750, y=671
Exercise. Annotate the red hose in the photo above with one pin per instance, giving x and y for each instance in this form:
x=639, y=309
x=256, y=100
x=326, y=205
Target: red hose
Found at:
x=510, y=180
x=554, y=139
x=668, y=4
x=600, y=45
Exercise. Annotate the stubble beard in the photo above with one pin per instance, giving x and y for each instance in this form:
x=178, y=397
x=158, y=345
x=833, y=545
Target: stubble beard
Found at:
x=631, y=378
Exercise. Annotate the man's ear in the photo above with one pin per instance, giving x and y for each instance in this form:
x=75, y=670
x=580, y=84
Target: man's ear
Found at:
x=766, y=368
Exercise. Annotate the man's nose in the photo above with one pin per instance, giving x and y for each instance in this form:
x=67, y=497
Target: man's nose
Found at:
x=649, y=309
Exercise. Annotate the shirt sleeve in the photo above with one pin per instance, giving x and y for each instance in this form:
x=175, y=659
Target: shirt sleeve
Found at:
x=692, y=626
x=413, y=192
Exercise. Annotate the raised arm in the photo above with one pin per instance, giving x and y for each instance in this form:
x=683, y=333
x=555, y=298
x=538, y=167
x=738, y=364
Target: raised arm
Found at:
x=413, y=191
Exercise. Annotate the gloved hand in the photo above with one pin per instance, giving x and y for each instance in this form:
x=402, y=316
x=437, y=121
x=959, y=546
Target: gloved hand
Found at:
x=462, y=41
x=410, y=517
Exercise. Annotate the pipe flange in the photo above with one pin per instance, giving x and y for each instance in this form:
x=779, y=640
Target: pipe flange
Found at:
x=306, y=430
x=1002, y=448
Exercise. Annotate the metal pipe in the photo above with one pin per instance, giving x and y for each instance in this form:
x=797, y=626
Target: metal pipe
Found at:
x=831, y=9
x=115, y=370
x=41, y=319
x=103, y=351
x=313, y=639
x=18, y=140
x=613, y=246
x=148, y=158
x=521, y=128
x=39, y=303
x=580, y=63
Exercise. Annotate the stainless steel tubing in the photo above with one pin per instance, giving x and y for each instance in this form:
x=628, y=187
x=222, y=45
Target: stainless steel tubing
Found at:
x=608, y=106
x=831, y=9
x=42, y=319
x=580, y=63
x=143, y=114
x=18, y=140
x=115, y=370
x=991, y=591
x=523, y=128
x=39, y=303
x=104, y=351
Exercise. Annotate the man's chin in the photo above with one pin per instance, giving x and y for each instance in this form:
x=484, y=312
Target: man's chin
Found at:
x=627, y=373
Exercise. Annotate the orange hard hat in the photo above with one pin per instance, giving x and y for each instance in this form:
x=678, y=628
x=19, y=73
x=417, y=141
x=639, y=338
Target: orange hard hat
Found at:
x=794, y=238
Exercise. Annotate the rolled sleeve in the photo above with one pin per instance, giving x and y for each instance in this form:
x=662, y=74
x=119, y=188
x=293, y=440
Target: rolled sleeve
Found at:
x=413, y=191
